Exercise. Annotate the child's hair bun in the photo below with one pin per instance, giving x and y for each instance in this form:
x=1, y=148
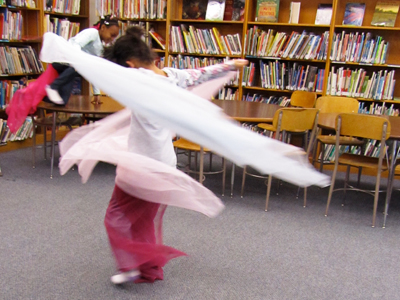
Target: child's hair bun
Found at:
x=135, y=31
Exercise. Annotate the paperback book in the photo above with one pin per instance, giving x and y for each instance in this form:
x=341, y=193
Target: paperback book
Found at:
x=267, y=11
x=354, y=14
x=158, y=38
x=238, y=10
x=215, y=10
x=324, y=14
x=385, y=13
x=194, y=9
x=294, y=12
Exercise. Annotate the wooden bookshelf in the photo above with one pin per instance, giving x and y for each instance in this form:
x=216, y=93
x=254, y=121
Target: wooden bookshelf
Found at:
x=32, y=31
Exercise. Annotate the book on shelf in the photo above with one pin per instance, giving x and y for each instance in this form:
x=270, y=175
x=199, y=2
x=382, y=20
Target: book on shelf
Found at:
x=215, y=10
x=385, y=13
x=294, y=12
x=158, y=38
x=238, y=10
x=354, y=14
x=324, y=14
x=228, y=13
x=194, y=9
x=267, y=11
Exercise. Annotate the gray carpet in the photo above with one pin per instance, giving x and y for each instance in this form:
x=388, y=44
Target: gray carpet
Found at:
x=53, y=244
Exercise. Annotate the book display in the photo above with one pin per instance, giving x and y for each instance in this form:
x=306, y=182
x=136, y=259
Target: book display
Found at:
x=324, y=14
x=354, y=14
x=385, y=13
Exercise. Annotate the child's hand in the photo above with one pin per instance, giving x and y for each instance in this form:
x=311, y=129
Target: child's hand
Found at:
x=240, y=63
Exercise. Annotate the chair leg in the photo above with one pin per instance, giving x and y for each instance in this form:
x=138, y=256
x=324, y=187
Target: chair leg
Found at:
x=305, y=197
x=346, y=183
x=201, y=167
x=223, y=175
x=331, y=188
x=45, y=142
x=34, y=148
x=298, y=193
x=359, y=176
x=53, y=141
x=376, y=197
x=321, y=161
x=243, y=181
x=268, y=192
x=232, y=178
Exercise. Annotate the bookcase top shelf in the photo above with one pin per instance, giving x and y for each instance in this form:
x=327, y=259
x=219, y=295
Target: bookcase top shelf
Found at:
x=142, y=20
x=206, y=21
x=366, y=27
x=288, y=24
x=65, y=15
x=204, y=55
x=285, y=59
x=11, y=7
x=365, y=64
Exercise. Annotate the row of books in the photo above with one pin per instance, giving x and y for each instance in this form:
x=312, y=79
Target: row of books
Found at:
x=62, y=6
x=19, y=60
x=378, y=109
x=356, y=83
x=61, y=27
x=203, y=41
x=372, y=148
x=7, y=90
x=280, y=44
x=24, y=132
x=132, y=9
x=10, y=24
x=359, y=47
x=19, y=3
x=227, y=93
x=285, y=76
x=279, y=100
x=191, y=62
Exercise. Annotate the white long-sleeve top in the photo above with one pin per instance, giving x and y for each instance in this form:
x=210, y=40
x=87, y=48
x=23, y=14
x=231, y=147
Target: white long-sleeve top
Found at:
x=149, y=138
x=88, y=40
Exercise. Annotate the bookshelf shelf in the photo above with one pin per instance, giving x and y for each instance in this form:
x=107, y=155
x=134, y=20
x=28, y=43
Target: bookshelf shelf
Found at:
x=285, y=59
x=305, y=25
x=65, y=15
x=207, y=21
x=363, y=28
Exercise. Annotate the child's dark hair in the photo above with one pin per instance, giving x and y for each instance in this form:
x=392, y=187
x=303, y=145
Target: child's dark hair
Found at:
x=130, y=46
x=107, y=21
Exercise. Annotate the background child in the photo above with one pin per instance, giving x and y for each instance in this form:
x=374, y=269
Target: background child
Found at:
x=90, y=40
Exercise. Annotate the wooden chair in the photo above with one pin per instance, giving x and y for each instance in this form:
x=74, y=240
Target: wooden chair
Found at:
x=331, y=104
x=303, y=99
x=362, y=126
x=289, y=120
x=189, y=147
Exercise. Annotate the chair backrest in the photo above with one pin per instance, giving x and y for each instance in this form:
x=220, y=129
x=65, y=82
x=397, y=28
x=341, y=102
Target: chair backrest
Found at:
x=363, y=126
x=333, y=104
x=303, y=99
x=295, y=119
